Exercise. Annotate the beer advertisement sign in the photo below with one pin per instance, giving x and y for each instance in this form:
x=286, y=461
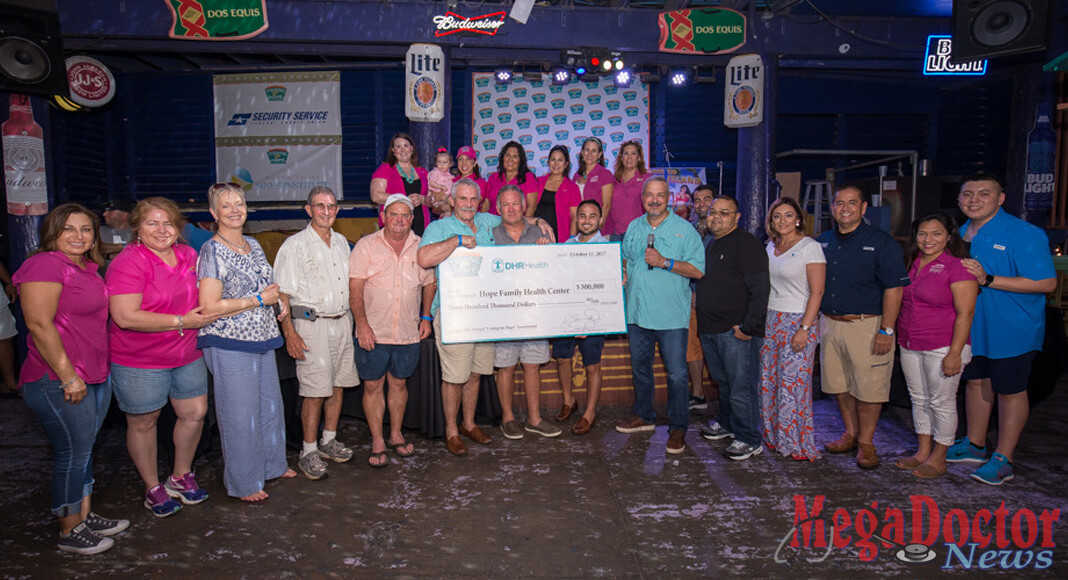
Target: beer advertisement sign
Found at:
x=701, y=31
x=217, y=19
x=424, y=83
x=743, y=105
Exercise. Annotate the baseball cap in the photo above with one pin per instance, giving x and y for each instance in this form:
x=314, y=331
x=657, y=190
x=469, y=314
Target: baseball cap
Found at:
x=467, y=151
x=398, y=197
x=116, y=204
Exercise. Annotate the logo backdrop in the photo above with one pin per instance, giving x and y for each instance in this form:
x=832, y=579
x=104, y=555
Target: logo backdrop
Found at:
x=539, y=115
x=278, y=134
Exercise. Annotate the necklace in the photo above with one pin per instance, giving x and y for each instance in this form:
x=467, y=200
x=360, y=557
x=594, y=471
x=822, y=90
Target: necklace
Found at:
x=409, y=178
x=244, y=247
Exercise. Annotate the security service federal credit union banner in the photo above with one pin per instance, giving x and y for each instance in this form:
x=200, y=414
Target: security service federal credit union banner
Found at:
x=539, y=115
x=278, y=135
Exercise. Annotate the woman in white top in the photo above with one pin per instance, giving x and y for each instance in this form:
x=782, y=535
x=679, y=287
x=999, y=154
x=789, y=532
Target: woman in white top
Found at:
x=798, y=270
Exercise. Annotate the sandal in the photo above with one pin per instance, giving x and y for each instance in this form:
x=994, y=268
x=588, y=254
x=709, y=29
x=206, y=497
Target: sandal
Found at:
x=380, y=456
x=396, y=448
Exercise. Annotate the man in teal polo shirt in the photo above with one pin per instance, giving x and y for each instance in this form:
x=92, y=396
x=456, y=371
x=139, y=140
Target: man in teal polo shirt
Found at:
x=1013, y=265
x=661, y=253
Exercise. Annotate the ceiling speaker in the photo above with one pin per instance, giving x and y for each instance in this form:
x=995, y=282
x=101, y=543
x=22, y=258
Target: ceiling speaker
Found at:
x=990, y=28
x=31, y=51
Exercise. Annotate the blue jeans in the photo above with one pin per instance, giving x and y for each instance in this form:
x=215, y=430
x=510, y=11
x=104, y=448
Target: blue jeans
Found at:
x=673, y=352
x=735, y=365
x=72, y=430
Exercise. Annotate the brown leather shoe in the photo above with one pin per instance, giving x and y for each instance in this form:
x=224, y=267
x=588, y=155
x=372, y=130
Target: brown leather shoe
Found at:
x=582, y=427
x=866, y=457
x=455, y=446
x=843, y=444
x=566, y=411
x=476, y=435
x=676, y=442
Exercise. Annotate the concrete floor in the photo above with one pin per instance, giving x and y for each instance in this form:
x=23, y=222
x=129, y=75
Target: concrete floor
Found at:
x=601, y=506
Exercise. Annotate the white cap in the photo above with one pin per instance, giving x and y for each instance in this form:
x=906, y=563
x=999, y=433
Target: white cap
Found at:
x=394, y=198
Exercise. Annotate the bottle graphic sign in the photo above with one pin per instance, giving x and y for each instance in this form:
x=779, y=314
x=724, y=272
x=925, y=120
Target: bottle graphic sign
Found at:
x=24, y=160
x=1041, y=153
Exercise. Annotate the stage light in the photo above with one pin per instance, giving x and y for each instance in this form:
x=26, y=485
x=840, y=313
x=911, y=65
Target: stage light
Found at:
x=619, y=64
x=581, y=70
x=503, y=76
x=624, y=77
x=561, y=76
x=679, y=77
x=595, y=61
x=606, y=66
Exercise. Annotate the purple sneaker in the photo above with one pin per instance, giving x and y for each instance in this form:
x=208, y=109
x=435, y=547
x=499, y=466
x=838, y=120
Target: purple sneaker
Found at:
x=160, y=503
x=185, y=489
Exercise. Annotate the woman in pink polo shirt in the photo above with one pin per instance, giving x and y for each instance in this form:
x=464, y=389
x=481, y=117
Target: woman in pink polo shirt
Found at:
x=595, y=180
x=511, y=170
x=932, y=330
x=64, y=378
x=467, y=165
x=154, y=358
x=401, y=173
x=630, y=175
x=557, y=198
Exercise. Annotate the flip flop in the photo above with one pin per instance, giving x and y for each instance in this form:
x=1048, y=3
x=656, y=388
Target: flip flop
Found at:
x=396, y=448
x=381, y=455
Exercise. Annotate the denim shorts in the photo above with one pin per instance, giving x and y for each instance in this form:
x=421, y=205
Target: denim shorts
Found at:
x=398, y=360
x=590, y=347
x=140, y=391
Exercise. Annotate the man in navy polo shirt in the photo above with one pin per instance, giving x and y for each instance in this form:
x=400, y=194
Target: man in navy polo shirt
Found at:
x=865, y=276
x=1012, y=264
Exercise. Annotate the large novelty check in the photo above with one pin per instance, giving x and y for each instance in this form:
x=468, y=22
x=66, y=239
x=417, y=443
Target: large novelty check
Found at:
x=521, y=292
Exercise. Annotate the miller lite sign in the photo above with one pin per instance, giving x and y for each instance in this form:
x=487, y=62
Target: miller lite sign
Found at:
x=424, y=83
x=743, y=105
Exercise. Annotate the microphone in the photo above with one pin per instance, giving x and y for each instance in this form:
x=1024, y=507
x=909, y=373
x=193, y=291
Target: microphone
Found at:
x=649, y=245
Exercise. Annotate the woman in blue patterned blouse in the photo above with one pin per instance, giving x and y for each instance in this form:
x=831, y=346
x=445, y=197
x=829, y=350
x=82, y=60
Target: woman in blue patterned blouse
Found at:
x=237, y=284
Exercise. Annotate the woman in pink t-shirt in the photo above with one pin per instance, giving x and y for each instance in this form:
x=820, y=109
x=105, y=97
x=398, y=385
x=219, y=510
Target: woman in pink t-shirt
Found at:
x=630, y=175
x=64, y=378
x=557, y=198
x=511, y=170
x=402, y=174
x=932, y=330
x=595, y=180
x=154, y=358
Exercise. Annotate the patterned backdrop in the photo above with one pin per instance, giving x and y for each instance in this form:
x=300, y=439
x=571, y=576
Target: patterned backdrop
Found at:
x=539, y=115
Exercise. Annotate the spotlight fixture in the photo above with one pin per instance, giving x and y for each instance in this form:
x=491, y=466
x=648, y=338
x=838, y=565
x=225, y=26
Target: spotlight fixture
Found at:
x=594, y=61
x=503, y=76
x=679, y=77
x=561, y=76
x=624, y=77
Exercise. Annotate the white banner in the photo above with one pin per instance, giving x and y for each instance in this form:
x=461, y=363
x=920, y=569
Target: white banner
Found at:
x=539, y=115
x=743, y=104
x=278, y=134
x=524, y=292
x=424, y=83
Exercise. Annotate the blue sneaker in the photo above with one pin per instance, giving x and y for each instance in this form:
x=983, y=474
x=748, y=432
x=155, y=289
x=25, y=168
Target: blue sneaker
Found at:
x=994, y=472
x=160, y=503
x=185, y=489
x=964, y=451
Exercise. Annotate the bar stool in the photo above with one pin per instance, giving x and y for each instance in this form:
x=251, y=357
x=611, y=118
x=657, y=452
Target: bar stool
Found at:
x=818, y=197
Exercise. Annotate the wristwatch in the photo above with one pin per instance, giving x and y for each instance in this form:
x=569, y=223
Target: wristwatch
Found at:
x=806, y=327
x=989, y=280
x=888, y=331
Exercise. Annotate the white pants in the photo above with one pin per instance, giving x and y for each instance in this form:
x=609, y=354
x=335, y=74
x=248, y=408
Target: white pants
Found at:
x=934, y=396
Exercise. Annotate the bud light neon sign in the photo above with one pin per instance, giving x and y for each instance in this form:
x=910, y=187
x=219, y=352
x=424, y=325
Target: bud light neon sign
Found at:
x=936, y=59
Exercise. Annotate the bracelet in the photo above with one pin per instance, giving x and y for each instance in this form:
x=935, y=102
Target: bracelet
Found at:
x=181, y=326
x=459, y=241
x=671, y=265
x=427, y=318
x=259, y=299
x=69, y=383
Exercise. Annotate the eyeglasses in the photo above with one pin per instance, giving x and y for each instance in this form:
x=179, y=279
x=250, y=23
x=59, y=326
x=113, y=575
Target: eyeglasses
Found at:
x=724, y=213
x=326, y=206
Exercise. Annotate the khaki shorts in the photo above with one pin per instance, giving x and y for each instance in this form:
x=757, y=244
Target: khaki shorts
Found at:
x=459, y=360
x=330, y=360
x=694, y=352
x=847, y=364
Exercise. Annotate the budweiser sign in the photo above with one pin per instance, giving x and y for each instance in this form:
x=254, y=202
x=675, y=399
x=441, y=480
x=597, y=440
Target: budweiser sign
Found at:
x=452, y=23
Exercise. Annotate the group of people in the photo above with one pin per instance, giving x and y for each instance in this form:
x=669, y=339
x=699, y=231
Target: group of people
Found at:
x=165, y=315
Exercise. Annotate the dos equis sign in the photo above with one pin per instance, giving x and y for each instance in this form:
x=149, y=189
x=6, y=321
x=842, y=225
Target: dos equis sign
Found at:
x=217, y=19
x=701, y=31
